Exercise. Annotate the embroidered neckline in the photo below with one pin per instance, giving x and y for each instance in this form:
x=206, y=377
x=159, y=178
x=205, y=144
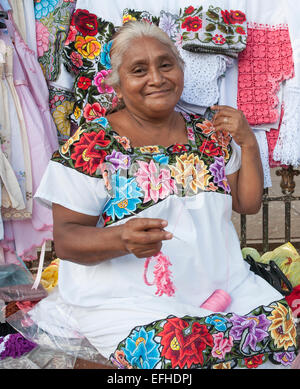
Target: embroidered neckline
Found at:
x=159, y=149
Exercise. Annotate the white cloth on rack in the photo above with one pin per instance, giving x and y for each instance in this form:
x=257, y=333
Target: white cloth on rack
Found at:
x=287, y=149
x=261, y=138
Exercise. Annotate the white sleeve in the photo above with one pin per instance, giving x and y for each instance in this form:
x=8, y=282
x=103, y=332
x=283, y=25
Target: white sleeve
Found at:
x=71, y=189
x=234, y=163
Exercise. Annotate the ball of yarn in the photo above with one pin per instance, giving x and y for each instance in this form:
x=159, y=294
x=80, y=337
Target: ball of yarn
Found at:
x=217, y=302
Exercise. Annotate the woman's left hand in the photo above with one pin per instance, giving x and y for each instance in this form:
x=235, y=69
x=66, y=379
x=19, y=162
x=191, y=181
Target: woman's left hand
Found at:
x=234, y=121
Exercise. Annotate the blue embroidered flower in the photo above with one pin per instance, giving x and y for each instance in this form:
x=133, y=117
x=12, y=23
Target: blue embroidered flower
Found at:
x=43, y=7
x=161, y=158
x=141, y=350
x=102, y=120
x=126, y=197
x=105, y=55
x=217, y=321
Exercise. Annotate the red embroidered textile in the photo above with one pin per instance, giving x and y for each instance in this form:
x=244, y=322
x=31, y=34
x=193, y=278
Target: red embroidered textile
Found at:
x=263, y=65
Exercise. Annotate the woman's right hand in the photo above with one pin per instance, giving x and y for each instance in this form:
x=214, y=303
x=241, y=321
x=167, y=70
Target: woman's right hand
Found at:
x=143, y=236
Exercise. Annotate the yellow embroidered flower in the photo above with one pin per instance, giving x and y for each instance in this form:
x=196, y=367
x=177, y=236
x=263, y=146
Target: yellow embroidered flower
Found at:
x=282, y=329
x=225, y=365
x=149, y=149
x=65, y=147
x=190, y=172
x=61, y=117
x=87, y=46
x=77, y=113
x=127, y=18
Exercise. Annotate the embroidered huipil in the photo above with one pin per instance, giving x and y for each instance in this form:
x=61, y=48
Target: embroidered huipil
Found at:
x=98, y=173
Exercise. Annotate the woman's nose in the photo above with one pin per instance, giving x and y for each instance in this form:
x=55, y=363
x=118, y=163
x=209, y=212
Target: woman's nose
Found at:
x=155, y=76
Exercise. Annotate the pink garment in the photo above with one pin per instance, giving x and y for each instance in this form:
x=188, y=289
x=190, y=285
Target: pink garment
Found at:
x=23, y=237
x=263, y=65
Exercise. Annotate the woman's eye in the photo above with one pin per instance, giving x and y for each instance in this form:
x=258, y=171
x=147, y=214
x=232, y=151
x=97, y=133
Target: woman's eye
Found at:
x=139, y=70
x=166, y=65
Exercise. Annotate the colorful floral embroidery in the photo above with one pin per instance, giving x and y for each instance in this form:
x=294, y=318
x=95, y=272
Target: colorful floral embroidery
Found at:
x=137, y=178
x=52, y=22
x=222, y=341
x=212, y=30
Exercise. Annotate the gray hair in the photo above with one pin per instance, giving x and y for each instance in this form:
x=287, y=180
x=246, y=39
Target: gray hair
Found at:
x=121, y=42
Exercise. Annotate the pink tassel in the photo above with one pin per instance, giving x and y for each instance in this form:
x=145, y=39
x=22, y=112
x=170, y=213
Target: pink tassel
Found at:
x=162, y=275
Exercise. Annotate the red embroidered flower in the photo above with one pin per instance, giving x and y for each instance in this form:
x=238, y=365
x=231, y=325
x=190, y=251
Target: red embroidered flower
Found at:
x=88, y=152
x=184, y=345
x=233, y=17
x=219, y=39
x=240, y=30
x=189, y=10
x=178, y=148
x=85, y=22
x=226, y=16
x=254, y=362
x=237, y=17
x=84, y=82
x=192, y=23
x=210, y=148
x=93, y=111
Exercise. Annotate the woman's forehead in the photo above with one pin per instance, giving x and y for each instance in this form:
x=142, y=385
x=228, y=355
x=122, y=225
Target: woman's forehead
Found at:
x=145, y=48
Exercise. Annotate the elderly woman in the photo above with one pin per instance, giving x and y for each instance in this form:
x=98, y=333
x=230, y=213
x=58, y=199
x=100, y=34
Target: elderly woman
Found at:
x=151, y=271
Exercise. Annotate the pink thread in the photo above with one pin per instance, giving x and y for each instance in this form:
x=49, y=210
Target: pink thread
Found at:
x=162, y=275
x=217, y=302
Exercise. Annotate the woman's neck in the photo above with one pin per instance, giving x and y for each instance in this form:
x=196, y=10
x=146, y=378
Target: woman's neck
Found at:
x=141, y=131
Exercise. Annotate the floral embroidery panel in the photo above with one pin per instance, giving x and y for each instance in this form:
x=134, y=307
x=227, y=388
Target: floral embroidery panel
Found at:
x=217, y=341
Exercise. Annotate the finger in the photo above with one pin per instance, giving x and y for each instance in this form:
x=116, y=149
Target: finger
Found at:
x=223, y=108
x=143, y=224
x=152, y=237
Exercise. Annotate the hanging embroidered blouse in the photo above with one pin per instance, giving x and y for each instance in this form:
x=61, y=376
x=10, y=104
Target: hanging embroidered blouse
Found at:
x=265, y=63
x=86, y=54
x=213, y=30
x=52, y=24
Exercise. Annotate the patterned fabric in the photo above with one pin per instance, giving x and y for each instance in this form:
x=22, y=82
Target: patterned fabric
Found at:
x=213, y=31
x=263, y=65
x=52, y=23
x=137, y=178
x=86, y=54
x=217, y=341
x=61, y=103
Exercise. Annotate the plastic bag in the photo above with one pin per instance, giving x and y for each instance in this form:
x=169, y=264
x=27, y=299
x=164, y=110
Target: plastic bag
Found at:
x=16, y=285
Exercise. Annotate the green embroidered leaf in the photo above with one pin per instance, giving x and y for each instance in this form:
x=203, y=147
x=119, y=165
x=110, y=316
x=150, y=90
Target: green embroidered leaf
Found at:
x=208, y=34
x=222, y=28
x=210, y=27
x=213, y=15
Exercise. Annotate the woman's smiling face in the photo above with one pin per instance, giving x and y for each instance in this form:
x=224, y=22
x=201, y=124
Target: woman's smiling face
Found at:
x=151, y=79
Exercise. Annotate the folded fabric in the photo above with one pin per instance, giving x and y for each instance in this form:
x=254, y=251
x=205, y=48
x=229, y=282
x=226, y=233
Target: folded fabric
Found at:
x=213, y=31
x=202, y=71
